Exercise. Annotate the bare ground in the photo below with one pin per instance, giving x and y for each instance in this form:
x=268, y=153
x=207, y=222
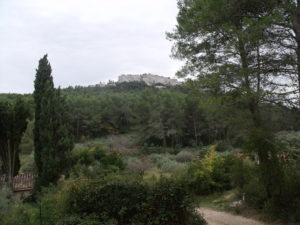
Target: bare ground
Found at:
x=222, y=218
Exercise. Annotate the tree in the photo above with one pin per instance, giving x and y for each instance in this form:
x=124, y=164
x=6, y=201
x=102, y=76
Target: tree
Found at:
x=161, y=117
x=52, y=137
x=284, y=39
x=244, y=52
x=13, y=122
x=224, y=44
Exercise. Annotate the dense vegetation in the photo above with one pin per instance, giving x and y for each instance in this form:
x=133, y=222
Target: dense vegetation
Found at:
x=12, y=126
x=52, y=139
x=143, y=153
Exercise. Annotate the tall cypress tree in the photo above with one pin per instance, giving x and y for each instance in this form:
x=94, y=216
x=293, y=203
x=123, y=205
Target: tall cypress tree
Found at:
x=52, y=137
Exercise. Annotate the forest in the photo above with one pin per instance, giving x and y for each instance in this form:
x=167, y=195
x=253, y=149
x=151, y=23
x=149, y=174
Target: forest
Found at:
x=227, y=137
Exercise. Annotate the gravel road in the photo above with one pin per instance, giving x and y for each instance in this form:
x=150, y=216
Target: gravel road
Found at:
x=223, y=218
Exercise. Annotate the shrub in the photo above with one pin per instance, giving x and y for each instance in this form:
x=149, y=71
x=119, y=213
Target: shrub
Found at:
x=274, y=188
x=6, y=201
x=210, y=174
x=117, y=200
x=289, y=138
x=28, y=164
x=82, y=156
x=255, y=194
x=95, y=162
x=185, y=156
x=169, y=203
x=138, y=165
x=243, y=170
x=112, y=159
x=166, y=163
x=147, y=150
x=20, y=214
x=6, y=198
x=171, y=166
x=127, y=202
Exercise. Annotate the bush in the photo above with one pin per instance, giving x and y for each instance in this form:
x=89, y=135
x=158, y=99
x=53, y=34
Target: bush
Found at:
x=112, y=159
x=222, y=146
x=117, y=200
x=169, y=203
x=20, y=214
x=289, y=138
x=210, y=174
x=147, y=150
x=275, y=186
x=6, y=198
x=95, y=162
x=185, y=156
x=138, y=165
x=28, y=164
x=82, y=156
x=171, y=166
x=243, y=170
x=6, y=202
x=127, y=202
x=166, y=163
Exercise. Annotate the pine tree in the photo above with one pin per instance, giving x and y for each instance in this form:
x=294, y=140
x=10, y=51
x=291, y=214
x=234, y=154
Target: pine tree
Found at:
x=284, y=38
x=225, y=44
x=52, y=137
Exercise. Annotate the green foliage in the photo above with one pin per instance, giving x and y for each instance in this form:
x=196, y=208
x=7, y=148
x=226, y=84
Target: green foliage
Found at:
x=185, y=156
x=112, y=160
x=6, y=201
x=20, y=214
x=273, y=184
x=28, y=164
x=148, y=150
x=162, y=126
x=90, y=197
x=238, y=50
x=52, y=139
x=113, y=200
x=13, y=211
x=13, y=122
x=169, y=203
x=167, y=163
x=289, y=138
x=138, y=165
x=263, y=144
x=95, y=162
x=131, y=203
x=210, y=174
x=27, y=145
x=97, y=115
x=243, y=170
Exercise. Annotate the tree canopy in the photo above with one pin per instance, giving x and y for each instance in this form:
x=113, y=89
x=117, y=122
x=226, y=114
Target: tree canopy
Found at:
x=52, y=137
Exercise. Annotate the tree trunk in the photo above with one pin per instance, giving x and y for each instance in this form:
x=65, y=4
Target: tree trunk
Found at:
x=9, y=172
x=195, y=131
x=296, y=27
x=252, y=100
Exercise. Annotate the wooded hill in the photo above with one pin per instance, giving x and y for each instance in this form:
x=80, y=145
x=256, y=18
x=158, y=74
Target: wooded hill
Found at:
x=184, y=115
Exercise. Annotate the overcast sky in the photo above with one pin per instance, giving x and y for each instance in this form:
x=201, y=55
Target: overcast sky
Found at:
x=87, y=41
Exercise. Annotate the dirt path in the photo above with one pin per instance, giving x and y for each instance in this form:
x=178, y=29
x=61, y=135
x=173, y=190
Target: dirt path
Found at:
x=223, y=218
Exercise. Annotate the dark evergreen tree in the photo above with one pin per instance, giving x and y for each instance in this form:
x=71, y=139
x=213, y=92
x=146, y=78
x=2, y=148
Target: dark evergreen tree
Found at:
x=222, y=43
x=52, y=137
x=13, y=122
